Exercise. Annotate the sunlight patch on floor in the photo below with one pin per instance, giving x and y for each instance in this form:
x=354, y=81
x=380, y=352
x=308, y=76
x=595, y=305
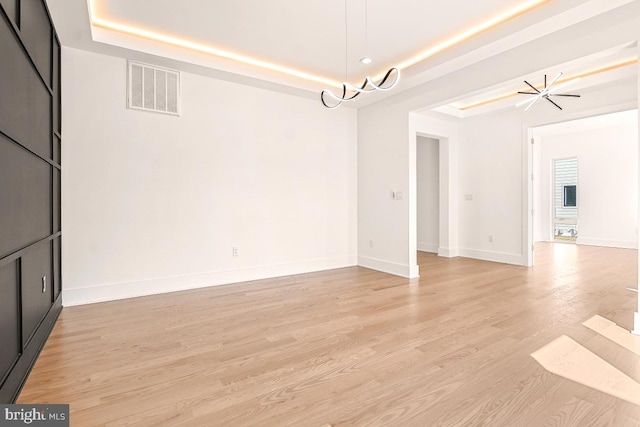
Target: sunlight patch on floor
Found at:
x=615, y=333
x=566, y=358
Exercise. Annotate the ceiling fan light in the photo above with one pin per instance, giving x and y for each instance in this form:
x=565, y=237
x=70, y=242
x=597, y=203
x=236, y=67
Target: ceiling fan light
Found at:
x=366, y=60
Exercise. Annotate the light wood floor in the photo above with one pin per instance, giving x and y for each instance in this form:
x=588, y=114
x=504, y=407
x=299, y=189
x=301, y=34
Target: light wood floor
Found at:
x=352, y=347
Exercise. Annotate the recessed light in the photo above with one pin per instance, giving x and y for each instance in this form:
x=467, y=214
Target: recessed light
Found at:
x=366, y=60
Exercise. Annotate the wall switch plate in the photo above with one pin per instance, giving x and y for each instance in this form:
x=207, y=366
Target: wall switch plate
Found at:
x=490, y=239
x=370, y=243
x=235, y=251
x=468, y=196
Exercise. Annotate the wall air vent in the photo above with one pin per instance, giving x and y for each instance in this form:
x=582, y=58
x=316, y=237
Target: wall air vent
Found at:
x=151, y=88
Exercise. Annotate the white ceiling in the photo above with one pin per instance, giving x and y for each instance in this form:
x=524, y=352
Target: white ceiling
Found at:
x=585, y=73
x=309, y=35
x=623, y=118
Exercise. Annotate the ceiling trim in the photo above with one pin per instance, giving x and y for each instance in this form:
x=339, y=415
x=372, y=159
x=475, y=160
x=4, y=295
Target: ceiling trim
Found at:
x=173, y=40
x=202, y=48
x=472, y=32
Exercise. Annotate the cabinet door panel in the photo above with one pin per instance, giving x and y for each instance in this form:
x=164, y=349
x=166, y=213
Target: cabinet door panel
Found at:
x=25, y=198
x=57, y=276
x=9, y=318
x=11, y=8
x=57, y=147
x=25, y=110
x=36, y=265
x=36, y=33
x=56, y=200
x=56, y=87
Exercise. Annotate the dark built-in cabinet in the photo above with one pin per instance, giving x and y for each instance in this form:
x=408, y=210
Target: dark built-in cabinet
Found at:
x=30, y=228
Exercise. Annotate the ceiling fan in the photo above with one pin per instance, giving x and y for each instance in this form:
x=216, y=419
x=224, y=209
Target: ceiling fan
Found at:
x=547, y=92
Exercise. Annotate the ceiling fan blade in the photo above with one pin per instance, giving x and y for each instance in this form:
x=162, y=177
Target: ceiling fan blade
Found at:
x=532, y=86
x=527, y=101
x=554, y=103
x=528, y=93
x=534, y=102
x=555, y=80
x=563, y=85
x=564, y=94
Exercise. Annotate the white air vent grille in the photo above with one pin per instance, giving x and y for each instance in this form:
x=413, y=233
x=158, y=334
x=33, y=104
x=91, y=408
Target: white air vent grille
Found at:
x=152, y=88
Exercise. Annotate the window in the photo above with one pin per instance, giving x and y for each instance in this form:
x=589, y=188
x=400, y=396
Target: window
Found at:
x=569, y=196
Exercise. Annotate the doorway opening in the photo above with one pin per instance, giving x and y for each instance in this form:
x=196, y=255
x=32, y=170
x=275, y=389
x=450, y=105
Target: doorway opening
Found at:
x=565, y=200
x=428, y=192
x=584, y=181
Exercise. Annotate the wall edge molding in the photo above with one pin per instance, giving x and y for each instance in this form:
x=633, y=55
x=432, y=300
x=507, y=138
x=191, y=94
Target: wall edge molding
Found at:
x=621, y=244
x=501, y=257
x=402, y=270
x=428, y=247
x=134, y=289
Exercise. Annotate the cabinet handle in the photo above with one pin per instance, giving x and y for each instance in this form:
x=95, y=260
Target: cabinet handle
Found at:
x=44, y=284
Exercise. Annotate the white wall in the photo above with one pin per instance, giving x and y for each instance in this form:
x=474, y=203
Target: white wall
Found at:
x=490, y=172
x=154, y=203
x=540, y=206
x=383, y=226
x=636, y=315
x=428, y=189
x=607, y=183
x=493, y=169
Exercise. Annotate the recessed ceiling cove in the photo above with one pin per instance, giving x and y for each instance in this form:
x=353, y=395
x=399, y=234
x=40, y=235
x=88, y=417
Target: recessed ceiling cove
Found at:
x=304, y=41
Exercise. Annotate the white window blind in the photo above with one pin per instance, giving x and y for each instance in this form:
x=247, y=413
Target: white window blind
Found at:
x=565, y=174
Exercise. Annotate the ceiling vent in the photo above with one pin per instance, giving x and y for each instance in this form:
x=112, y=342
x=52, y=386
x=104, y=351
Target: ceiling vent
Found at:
x=151, y=88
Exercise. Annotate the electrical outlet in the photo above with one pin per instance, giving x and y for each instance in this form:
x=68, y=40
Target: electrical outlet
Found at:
x=235, y=251
x=399, y=195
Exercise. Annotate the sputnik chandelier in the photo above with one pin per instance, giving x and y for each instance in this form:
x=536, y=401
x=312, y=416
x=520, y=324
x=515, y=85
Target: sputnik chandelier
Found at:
x=547, y=92
x=349, y=91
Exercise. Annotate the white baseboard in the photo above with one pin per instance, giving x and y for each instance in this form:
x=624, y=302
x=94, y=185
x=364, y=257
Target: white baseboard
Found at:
x=116, y=291
x=448, y=252
x=622, y=244
x=428, y=247
x=402, y=270
x=493, y=256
